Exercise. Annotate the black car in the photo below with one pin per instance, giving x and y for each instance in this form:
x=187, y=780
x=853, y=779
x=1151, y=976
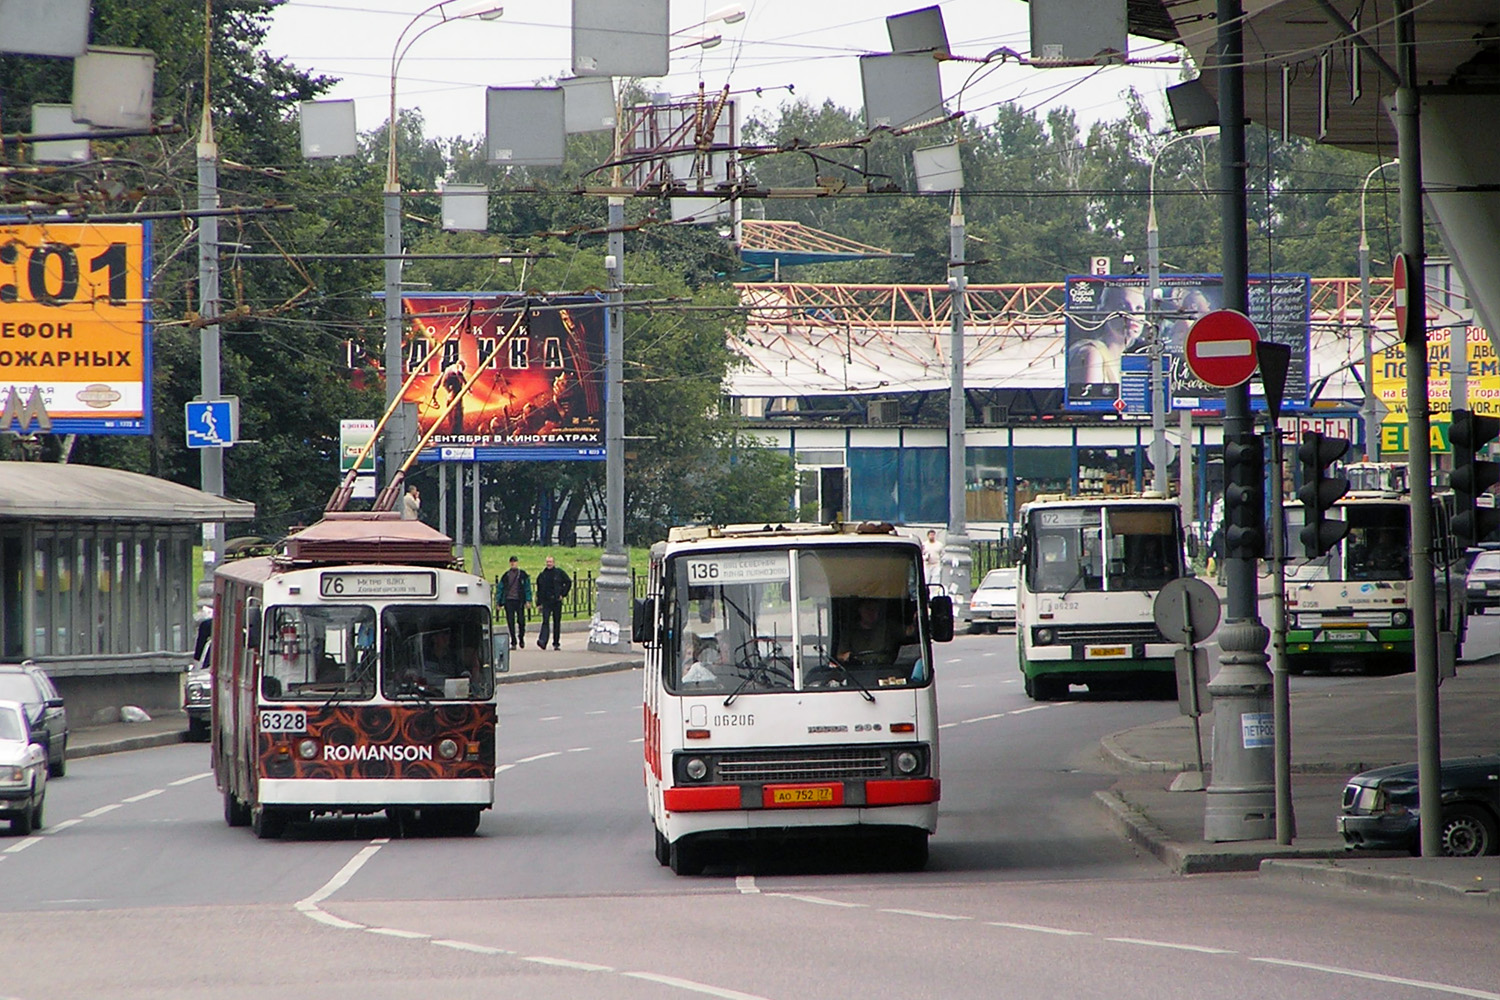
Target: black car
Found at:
x=27, y=684
x=1381, y=811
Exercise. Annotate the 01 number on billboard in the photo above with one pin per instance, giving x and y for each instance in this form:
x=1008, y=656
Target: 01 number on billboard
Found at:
x=51, y=272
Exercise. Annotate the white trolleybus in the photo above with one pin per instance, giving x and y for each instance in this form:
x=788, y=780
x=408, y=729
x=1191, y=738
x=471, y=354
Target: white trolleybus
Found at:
x=354, y=672
x=1351, y=607
x=1090, y=571
x=789, y=688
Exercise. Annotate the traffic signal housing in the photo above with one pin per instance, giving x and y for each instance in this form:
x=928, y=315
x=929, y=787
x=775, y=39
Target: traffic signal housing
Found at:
x=1468, y=434
x=1244, y=496
x=1320, y=491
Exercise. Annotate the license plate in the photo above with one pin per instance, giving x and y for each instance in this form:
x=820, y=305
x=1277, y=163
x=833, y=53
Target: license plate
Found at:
x=283, y=722
x=1344, y=635
x=804, y=795
x=1106, y=652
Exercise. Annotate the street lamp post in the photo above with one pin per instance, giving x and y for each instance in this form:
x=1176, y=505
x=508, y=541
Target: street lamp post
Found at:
x=1372, y=423
x=392, y=202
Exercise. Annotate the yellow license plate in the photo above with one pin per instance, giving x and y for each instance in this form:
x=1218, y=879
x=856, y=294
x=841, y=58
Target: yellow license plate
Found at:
x=1106, y=652
x=801, y=796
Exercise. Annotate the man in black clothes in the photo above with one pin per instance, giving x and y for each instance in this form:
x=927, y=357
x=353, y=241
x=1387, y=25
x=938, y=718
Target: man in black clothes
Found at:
x=515, y=594
x=552, y=585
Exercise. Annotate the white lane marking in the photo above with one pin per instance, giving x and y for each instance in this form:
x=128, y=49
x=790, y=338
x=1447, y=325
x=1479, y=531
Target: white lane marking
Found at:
x=478, y=949
x=1377, y=977
x=394, y=932
x=1023, y=711
x=1171, y=944
x=64, y=825
x=819, y=900
x=947, y=725
x=1008, y=680
x=579, y=749
x=695, y=987
x=598, y=711
x=549, y=718
x=342, y=876
x=144, y=795
x=563, y=963
x=992, y=654
x=746, y=884
x=503, y=767
x=987, y=718
x=928, y=914
x=538, y=756
x=100, y=811
x=190, y=779
x=1038, y=928
x=639, y=739
x=330, y=919
x=18, y=848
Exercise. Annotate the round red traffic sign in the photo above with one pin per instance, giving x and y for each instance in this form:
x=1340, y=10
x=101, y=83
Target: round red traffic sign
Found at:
x=1398, y=291
x=1221, y=348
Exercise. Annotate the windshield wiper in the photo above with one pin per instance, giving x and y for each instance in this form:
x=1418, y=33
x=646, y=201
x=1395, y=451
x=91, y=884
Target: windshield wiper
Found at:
x=868, y=696
x=736, y=692
x=1083, y=571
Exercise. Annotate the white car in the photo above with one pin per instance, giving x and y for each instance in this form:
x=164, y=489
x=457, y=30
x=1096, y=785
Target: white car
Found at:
x=23, y=771
x=994, y=602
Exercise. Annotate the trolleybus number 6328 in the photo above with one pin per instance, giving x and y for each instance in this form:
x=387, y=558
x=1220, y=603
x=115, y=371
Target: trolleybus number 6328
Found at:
x=283, y=722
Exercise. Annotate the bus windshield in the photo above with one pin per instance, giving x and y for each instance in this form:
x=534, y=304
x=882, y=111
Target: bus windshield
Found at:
x=1378, y=546
x=436, y=651
x=1072, y=549
x=319, y=652
x=740, y=625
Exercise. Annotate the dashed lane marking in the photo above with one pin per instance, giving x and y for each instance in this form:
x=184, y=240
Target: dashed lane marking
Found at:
x=926, y=914
x=397, y=933
x=1171, y=944
x=101, y=810
x=692, y=986
x=144, y=795
x=19, y=847
x=478, y=949
x=1038, y=928
x=1423, y=984
x=190, y=779
x=567, y=963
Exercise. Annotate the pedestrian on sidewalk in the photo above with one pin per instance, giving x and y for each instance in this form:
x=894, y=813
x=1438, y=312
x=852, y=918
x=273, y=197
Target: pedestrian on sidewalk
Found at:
x=515, y=597
x=552, y=585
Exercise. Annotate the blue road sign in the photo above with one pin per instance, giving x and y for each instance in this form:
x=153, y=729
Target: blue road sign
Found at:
x=212, y=423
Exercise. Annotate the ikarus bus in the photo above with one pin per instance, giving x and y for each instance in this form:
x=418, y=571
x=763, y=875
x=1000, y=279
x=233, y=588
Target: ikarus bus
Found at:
x=1090, y=571
x=354, y=672
x=789, y=688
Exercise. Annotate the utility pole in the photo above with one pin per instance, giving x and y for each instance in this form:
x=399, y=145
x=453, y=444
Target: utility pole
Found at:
x=614, y=612
x=211, y=459
x=956, y=546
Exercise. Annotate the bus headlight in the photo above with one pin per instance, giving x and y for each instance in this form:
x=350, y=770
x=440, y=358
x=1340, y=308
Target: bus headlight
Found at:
x=1042, y=636
x=307, y=749
x=907, y=762
x=695, y=768
x=1400, y=619
x=447, y=749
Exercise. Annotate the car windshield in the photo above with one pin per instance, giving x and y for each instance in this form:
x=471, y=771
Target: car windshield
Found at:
x=19, y=687
x=10, y=725
x=1487, y=561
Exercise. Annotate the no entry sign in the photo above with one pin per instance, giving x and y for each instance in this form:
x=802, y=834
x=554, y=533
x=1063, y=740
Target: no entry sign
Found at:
x=1221, y=348
x=1399, y=292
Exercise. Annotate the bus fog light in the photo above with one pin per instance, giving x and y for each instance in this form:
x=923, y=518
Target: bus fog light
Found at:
x=307, y=749
x=448, y=749
x=1400, y=619
x=1043, y=637
x=695, y=769
x=906, y=762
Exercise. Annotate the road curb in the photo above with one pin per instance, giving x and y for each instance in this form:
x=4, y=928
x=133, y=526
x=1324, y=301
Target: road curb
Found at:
x=562, y=673
x=1329, y=874
x=1130, y=762
x=142, y=742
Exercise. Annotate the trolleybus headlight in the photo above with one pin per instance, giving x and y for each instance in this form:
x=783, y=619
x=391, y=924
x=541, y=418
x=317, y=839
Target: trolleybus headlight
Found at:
x=695, y=768
x=448, y=749
x=1043, y=636
x=307, y=749
x=907, y=761
x=1400, y=619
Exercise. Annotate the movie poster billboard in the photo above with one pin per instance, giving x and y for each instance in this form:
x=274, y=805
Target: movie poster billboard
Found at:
x=1106, y=320
x=526, y=375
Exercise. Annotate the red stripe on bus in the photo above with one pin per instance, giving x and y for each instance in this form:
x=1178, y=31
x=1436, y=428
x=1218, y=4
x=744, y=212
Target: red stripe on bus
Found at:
x=902, y=792
x=704, y=799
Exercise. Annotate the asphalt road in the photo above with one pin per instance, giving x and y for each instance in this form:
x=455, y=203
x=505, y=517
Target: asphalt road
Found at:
x=137, y=888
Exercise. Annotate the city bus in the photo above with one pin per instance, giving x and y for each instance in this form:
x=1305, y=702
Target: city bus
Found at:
x=789, y=688
x=1351, y=606
x=1090, y=571
x=354, y=672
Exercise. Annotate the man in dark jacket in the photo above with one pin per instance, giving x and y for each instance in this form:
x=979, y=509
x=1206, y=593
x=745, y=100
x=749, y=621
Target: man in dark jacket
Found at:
x=515, y=595
x=552, y=585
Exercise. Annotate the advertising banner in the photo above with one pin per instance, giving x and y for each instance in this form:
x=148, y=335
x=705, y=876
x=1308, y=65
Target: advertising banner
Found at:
x=75, y=347
x=1389, y=382
x=527, y=374
x=1107, y=320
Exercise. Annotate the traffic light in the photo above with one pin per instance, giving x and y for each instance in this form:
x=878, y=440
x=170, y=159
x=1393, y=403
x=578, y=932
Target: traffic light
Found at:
x=1244, y=496
x=1320, y=491
x=1469, y=434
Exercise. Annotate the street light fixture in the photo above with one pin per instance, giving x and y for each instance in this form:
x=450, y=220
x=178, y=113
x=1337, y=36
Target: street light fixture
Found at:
x=1372, y=426
x=392, y=243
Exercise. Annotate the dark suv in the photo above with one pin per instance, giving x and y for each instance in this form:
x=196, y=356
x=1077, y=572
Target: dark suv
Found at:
x=1381, y=809
x=27, y=684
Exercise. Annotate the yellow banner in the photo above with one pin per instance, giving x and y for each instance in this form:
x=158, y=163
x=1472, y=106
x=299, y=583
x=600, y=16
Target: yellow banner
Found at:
x=1389, y=380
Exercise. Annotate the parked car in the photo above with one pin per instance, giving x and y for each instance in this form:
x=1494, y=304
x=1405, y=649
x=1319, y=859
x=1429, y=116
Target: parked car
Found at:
x=1483, y=581
x=1381, y=810
x=994, y=602
x=23, y=771
x=28, y=684
x=197, y=697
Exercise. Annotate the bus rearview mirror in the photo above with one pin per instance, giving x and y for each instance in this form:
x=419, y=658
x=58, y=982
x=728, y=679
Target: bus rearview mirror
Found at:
x=940, y=618
x=643, y=620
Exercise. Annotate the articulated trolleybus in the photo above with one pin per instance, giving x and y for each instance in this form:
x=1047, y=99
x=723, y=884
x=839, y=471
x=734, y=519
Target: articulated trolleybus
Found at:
x=789, y=688
x=1090, y=571
x=354, y=672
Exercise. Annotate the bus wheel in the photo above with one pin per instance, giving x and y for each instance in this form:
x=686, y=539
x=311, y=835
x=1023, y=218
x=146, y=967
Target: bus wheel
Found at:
x=1049, y=689
x=1030, y=685
x=663, y=849
x=460, y=822
x=685, y=857
x=236, y=813
x=267, y=823
x=909, y=850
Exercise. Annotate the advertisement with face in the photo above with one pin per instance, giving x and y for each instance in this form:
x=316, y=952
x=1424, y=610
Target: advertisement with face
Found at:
x=524, y=375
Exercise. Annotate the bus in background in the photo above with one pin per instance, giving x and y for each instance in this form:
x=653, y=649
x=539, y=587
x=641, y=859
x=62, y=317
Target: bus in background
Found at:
x=1090, y=571
x=354, y=672
x=1351, y=606
x=789, y=688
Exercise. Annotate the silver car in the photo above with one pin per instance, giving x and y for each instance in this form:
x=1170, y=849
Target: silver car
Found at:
x=23, y=771
x=994, y=602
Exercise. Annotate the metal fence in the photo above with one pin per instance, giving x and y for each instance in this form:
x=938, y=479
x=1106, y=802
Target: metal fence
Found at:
x=583, y=599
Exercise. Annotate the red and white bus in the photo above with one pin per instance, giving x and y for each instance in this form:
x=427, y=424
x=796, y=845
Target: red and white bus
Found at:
x=354, y=672
x=789, y=688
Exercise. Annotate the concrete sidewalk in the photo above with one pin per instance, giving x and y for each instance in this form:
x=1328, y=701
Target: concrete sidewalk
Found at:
x=1369, y=722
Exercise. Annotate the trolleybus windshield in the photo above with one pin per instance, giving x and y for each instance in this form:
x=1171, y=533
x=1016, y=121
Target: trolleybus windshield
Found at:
x=1081, y=549
x=436, y=652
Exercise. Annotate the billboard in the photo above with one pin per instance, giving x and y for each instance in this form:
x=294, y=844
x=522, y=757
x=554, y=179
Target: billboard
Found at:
x=1106, y=321
x=75, y=344
x=527, y=374
x=1389, y=383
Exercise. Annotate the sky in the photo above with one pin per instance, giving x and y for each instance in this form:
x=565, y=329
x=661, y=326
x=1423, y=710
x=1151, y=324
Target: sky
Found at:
x=809, y=46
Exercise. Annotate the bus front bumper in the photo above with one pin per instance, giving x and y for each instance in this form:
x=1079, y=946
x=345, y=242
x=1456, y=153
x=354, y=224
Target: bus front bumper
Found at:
x=365, y=793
